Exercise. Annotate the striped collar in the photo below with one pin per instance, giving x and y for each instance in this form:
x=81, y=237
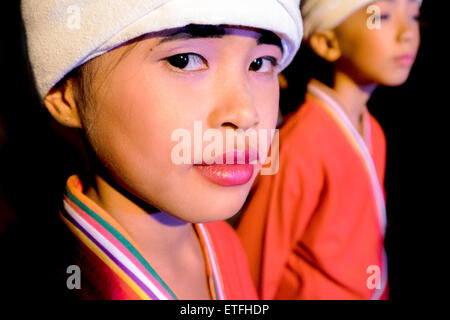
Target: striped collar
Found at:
x=362, y=145
x=94, y=227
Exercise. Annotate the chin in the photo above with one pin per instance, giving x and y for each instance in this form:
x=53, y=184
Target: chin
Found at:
x=213, y=208
x=226, y=211
x=396, y=80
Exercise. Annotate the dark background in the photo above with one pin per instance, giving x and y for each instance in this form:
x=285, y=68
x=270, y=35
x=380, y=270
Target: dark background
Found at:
x=35, y=160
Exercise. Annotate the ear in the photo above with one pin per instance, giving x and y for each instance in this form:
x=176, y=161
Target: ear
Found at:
x=283, y=82
x=61, y=104
x=325, y=44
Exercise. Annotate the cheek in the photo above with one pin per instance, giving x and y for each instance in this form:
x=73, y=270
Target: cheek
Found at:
x=380, y=45
x=370, y=48
x=266, y=97
x=369, y=56
x=416, y=38
x=134, y=123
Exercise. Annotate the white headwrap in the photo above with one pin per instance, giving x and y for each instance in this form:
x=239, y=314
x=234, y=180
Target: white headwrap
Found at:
x=319, y=15
x=64, y=34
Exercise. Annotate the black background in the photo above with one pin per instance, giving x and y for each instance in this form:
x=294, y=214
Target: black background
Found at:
x=35, y=160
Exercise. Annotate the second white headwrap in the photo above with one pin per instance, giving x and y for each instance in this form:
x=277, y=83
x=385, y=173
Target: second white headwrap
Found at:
x=319, y=15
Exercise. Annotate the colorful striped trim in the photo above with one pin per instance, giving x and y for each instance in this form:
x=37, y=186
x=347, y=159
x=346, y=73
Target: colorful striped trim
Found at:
x=105, y=237
x=106, y=258
x=357, y=141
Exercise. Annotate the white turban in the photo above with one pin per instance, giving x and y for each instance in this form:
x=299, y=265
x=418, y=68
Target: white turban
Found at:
x=64, y=34
x=320, y=15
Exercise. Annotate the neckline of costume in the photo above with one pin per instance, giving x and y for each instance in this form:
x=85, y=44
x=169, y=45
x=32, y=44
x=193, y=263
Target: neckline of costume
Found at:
x=315, y=85
x=101, y=233
x=331, y=104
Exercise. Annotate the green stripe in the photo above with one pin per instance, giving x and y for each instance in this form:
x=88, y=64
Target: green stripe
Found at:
x=122, y=239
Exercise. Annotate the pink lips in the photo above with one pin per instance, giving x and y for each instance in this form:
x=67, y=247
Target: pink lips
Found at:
x=229, y=169
x=405, y=60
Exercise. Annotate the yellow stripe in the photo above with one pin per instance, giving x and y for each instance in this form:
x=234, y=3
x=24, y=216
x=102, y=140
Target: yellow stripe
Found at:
x=91, y=245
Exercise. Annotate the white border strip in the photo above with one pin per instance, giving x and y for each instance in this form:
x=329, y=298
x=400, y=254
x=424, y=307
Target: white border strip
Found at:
x=334, y=107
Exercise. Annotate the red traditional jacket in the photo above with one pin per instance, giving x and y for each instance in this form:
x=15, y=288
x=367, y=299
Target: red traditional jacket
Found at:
x=112, y=266
x=315, y=229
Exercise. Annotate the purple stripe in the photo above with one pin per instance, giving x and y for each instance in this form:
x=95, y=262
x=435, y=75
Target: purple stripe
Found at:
x=117, y=262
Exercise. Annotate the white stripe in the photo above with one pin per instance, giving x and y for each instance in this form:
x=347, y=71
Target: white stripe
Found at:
x=334, y=107
x=213, y=262
x=378, y=292
x=114, y=251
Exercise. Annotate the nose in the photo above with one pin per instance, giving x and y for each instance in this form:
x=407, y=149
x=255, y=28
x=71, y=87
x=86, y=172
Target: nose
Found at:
x=408, y=30
x=234, y=105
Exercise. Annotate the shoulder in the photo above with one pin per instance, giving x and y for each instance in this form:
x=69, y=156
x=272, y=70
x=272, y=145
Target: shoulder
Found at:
x=310, y=130
x=377, y=130
x=308, y=118
x=309, y=139
x=222, y=234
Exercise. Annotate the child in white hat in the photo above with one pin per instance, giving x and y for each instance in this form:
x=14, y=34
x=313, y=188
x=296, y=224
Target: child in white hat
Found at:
x=316, y=229
x=139, y=79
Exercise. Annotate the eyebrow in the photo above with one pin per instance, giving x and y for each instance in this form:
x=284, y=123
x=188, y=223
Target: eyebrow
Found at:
x=194, y=31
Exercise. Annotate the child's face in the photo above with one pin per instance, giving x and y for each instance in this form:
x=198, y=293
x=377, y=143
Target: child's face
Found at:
x=166, y=83
x=381, y=55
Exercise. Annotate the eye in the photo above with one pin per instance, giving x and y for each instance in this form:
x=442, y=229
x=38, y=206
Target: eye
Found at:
x=384, y=16
x=188, y=62
x=263, y=64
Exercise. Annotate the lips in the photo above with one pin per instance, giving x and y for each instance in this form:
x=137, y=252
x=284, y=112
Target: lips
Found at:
x=229, y=169
x=405, y=60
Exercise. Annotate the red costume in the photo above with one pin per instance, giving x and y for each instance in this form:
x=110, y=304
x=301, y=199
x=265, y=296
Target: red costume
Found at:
x=315, y=229
x=112, y=266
